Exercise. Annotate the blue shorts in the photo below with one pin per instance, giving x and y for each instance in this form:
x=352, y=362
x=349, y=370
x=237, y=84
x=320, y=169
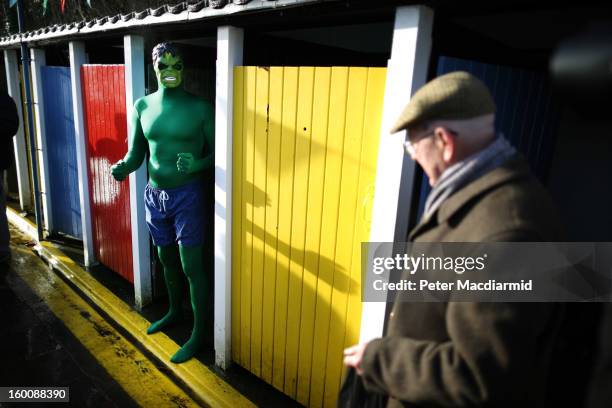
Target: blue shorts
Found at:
x=176, y=214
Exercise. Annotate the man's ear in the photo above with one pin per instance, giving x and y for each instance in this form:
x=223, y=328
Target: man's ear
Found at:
x=446, y=141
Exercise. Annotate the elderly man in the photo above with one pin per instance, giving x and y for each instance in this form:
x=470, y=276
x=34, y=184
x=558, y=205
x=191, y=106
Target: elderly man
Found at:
x=461, y=353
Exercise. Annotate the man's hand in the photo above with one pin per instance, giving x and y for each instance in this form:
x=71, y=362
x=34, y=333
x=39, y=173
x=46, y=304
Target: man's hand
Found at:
x=120, y=170
x=185, y=162
x=353, y=356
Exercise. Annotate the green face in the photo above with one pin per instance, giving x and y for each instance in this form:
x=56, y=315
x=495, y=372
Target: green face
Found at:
x=169, y=71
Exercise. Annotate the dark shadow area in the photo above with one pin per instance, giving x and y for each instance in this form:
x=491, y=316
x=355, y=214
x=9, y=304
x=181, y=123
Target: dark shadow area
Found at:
x=270, y=49
x=39, y=350
x=57, y=55
x=105, y=51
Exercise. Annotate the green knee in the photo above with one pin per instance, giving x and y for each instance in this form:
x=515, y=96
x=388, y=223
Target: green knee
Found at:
x=192, y=260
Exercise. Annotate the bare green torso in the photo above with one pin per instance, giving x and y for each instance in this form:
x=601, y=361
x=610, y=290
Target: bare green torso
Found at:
x=172, y=124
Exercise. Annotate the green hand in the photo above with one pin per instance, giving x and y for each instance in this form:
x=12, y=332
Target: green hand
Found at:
x=185, y=162
x=120, y=170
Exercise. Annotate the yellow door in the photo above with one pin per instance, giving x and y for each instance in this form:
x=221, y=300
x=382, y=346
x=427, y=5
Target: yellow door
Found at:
x=305, y=153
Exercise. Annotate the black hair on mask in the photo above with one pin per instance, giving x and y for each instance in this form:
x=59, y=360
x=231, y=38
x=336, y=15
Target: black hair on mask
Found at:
x=165, y=47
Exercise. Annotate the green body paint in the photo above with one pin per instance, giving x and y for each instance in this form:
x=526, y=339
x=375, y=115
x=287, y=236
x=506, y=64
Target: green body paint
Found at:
x=177, y=129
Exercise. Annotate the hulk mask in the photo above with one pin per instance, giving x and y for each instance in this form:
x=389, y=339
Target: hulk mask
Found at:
x=169, y=70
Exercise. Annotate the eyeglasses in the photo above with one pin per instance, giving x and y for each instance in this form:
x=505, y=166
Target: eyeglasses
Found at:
x=410, y=147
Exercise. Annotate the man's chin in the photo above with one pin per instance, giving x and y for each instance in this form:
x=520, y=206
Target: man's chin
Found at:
x=170, y=85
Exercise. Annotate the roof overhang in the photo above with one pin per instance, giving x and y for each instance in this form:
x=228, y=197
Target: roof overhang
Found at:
x=149, y=18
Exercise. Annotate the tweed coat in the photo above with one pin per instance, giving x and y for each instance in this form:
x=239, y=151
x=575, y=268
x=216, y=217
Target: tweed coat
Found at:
x=460, y=354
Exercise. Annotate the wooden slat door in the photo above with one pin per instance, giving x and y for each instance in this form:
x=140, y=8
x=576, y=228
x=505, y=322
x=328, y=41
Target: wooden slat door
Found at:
x=305, y=152
x=106, y=128
x=61, y=144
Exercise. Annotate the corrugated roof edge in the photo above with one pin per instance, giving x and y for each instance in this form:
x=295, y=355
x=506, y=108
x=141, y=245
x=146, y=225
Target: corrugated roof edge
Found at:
x=185, y=11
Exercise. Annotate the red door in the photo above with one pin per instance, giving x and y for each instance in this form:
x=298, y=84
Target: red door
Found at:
x=106, y=128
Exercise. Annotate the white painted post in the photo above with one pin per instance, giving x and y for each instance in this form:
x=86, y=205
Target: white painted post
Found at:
x=38, y=60
x=19, y=141
x=406, y=72
x=229, y=54
x=133, y=48
x=77, y=59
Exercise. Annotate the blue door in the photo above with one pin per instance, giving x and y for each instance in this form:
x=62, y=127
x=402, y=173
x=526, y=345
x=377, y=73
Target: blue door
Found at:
x=61, y=145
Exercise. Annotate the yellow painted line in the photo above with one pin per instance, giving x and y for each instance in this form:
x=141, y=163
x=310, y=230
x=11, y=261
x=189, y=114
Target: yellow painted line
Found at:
x=140, y=379
x=201, y=381
x=25, y=225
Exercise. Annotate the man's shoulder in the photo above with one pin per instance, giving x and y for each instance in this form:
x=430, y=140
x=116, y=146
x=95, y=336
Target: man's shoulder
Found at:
x=142, y=102
x=513, y=202
x=507, y=203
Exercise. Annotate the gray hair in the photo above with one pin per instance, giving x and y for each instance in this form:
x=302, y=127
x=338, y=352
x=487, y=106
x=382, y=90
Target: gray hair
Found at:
x=478, y=128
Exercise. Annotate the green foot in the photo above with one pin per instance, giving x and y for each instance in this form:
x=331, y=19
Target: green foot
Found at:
x=186, y=352
x=167, y=320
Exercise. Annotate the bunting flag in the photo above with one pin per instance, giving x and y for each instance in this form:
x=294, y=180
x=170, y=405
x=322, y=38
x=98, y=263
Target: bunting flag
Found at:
x=45, y=7
x=62, y=4
x=13, y=2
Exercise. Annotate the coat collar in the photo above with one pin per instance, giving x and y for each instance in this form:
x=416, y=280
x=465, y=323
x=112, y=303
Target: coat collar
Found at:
x=516, y=167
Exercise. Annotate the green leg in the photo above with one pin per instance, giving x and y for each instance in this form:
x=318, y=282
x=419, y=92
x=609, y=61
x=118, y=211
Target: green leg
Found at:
x=193, y=266
x=171, y=261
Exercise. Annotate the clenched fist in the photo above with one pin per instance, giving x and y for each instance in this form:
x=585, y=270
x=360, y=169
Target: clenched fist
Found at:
x=120, y=170
x=185, y=162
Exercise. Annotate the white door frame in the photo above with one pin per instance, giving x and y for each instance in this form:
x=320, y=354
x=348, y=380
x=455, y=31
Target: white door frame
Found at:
x=133, y=48
x=78, y=57
x=230, y=41
x=406, y=72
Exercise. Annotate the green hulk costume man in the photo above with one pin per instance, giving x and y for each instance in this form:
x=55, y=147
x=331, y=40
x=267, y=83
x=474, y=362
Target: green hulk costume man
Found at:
x=176, y=128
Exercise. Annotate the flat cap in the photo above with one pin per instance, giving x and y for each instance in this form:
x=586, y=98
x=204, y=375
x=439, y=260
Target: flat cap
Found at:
x=454, y=96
